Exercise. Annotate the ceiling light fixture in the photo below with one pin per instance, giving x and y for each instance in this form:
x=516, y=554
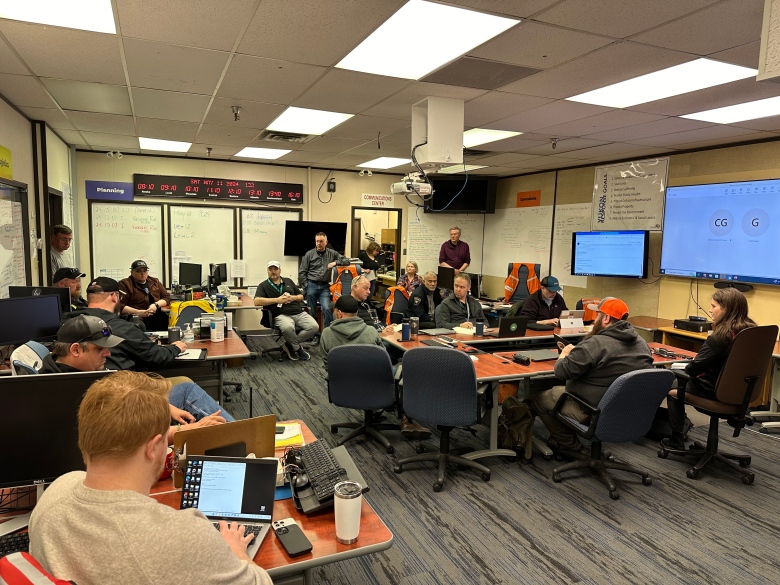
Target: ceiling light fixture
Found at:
x=454, y=169
x=739, y=112
x=306, y=121
x=454, y=32
x=163, y=145
x=477, y=136
x=385, y=162
x=91, y=15
x=263, y=153
x=691, y=76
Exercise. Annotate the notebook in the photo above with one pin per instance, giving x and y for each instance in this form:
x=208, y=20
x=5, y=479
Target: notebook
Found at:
x=510, y=327
x=541, y=355
x=234, y=489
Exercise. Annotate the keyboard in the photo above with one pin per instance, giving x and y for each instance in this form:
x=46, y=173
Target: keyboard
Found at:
x=14, y=542
x=435, y=342
x=540, y=327
x=322, y=468
x=253, y=528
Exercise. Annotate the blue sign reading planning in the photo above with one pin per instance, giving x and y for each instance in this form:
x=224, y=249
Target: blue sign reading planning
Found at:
x=109, y=191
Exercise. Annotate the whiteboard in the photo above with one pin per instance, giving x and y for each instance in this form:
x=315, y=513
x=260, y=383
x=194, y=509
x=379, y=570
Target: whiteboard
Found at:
x=262, y=240
x=202, y=235
x=12, y=261
x=517, y=235
x=124, y=232
x=568, y=219
x=428, y=231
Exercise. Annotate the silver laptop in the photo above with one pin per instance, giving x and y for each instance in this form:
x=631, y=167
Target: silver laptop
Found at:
x=234, y=489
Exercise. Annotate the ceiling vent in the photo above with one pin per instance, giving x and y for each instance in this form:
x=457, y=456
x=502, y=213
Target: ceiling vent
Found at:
x=275, y=136
x=480, y=73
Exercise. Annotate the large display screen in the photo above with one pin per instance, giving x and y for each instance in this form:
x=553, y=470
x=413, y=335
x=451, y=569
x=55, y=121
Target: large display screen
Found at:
x=622, y=253
x=723, y=231
x=220, y=189
x=299, y=236
x=459, y=195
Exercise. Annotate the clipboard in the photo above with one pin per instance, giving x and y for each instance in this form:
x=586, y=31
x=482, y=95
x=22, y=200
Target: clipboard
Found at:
x=257, y=434
x=192, y=354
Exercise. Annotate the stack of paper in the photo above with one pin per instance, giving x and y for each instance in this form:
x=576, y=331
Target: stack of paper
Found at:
x=291, y=437
x=464, y=331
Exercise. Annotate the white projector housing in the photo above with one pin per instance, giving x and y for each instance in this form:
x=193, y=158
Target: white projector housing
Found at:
x=438, y=122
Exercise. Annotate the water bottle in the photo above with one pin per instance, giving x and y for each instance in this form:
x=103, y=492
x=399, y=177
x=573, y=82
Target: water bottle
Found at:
x=189, y=334
x=406, y=330
x=480, y=327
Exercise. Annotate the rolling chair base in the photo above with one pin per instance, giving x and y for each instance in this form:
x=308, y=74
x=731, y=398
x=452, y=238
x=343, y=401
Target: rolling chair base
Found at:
x=600, y=466
x=368, y=428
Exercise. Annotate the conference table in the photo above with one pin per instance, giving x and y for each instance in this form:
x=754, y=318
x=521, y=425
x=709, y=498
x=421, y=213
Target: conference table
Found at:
x=319, y=528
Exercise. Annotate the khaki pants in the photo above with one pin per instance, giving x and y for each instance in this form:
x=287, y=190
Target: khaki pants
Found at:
x=543, y=403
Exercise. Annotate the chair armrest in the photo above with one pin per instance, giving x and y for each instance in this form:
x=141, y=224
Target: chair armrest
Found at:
x=593, y=413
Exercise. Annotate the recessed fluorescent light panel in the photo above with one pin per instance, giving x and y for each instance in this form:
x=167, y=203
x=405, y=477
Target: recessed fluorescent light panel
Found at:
x=306, y=121
x=92, y=15
x=163, y=145
x=677, y=80
x=385, y=162
x=264, y=153
x=459, y=169
x=739, y=112
x=477, y=136
x=423, y=36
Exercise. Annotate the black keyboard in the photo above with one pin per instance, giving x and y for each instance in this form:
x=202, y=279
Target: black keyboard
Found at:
x=540, y=327
x=435, y=342
x=322, y=468
x=254, y=529
x=14, y=542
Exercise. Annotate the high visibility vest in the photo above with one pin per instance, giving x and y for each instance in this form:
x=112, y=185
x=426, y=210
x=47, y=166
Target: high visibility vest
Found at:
x=589, y=315
x=390, y=300
x=513, y=280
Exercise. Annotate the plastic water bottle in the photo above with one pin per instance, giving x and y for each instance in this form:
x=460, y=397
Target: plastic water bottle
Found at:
x=189, y=334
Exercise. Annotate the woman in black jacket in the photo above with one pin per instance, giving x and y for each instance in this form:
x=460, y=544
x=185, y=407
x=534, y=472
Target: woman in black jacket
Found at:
x=370, y=265
x=729, y=310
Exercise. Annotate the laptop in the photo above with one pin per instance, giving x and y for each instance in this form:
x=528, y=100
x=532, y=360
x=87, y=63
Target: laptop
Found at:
x=234, y=489
x=15, y=292
x=573, y=314
x=510, y=327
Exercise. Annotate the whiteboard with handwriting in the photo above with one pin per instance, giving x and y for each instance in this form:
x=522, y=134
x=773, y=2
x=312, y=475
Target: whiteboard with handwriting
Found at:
x=428, y=231
x=203, y=235
x=122, y=233
x=517, y=235
x=262, y=240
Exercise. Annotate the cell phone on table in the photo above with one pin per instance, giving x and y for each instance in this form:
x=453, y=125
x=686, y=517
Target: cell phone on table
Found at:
x=558, y=339
x=292, y=537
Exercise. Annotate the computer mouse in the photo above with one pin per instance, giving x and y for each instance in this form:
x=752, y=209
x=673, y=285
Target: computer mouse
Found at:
x=301, y=480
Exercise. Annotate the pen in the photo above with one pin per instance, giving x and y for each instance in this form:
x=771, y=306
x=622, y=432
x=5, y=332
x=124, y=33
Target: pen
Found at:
x=182, y=353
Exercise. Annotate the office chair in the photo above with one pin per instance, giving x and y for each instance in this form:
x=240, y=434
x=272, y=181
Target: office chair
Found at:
x=582, y=304
x=29, y=357
x=624, y=415
x=440, y=387
x=188, y=315
x=276, y=334
x=521, y=280
x=397, y=308
x=739, y=383
x=360, y=376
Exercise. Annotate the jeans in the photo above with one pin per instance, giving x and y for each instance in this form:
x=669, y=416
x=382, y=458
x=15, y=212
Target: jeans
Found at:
x=316, y=291
x=192, y=398
x=303, y=323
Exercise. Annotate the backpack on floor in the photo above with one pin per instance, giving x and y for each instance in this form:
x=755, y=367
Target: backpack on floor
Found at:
x=515, y=424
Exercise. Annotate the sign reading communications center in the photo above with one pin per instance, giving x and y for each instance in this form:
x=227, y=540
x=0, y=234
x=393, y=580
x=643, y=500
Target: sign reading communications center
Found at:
x=217, y=189
x=630, y=196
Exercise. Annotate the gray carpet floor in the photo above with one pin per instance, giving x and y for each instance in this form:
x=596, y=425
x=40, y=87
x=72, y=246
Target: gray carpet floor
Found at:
x=521, y=527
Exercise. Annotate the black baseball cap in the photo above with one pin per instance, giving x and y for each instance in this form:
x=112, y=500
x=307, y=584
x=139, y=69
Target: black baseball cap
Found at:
x=67, y=273
x=103, y=284
x=139, y=264
x=347, y=304
x=87, y=328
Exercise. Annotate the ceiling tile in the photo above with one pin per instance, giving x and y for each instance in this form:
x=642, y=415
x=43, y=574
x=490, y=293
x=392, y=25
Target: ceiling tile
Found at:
x=9, y=62
x=191, y=23
x=665, y=126
x=746, y=55
x=111, y=140
x=169, y=105
x=253, y=114
x=301, y=156
x=199, y=149
x=90, y=56
x=515, y=8
x=709, y=133
x=365, y=91
x=766, y=124
x=164, y=66
x=104, y=123
x=328, y=144
x=618, y=18
x=89, y=97
x=24, y=90
x=547, y=115
x=538, y=45
x=70, y=137
x=387, y=149
x=400, y=105
x=495, y=105
x=504, y=159
x=510, y=144
x=600, y=123
x=729, y=140
x=611, y=64
x=343, y=160
x=227, y=135
x=564, y=146
x=720, y=27
x=327, y=32
x=367, y=127
x=53, y=117
x=267, y=80
x=167, y=129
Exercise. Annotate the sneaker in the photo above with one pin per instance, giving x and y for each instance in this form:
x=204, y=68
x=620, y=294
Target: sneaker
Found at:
x=291, y=353
x=411, y=430
x=303, y=354
x=673, y=444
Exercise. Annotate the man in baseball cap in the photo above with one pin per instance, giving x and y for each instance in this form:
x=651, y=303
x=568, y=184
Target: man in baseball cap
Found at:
x=611, y=349
x=545, y=305
x=71, y=278
x=145, y=297
x=83, y=344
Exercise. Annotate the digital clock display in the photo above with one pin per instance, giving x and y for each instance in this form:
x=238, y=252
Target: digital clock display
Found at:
x=220, y=189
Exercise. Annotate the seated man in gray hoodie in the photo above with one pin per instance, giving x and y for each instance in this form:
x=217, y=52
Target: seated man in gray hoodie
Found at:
x=611, y=349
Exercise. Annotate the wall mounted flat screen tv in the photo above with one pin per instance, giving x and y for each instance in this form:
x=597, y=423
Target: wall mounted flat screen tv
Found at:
x=723, y=231
x=477, y=195
x=299, y=236
x=621, y=253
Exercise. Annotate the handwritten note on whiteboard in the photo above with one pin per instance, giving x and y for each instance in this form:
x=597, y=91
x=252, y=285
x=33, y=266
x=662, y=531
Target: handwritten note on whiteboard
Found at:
x=517, y=235
x=568, y=219
x=428, y=231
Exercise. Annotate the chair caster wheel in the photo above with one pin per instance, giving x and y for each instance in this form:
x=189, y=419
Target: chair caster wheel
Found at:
x=692, y=473
x=419, y=449
x=485, y=477
x=647, y=480
x=390, y=450
x=614, y=495
x=397, y=468
x=547, y=457
x=663, y=454
x=748, y=479
x=556, y=478
x=239, y=388
x=334, y=429
x=437, y=487
x=744, y=462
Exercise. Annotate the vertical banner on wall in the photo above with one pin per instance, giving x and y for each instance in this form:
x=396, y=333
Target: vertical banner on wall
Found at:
x=6, y=163
x=630, y=196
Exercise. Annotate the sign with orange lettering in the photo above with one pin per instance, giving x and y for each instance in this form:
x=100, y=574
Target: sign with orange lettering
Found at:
x=529, y=199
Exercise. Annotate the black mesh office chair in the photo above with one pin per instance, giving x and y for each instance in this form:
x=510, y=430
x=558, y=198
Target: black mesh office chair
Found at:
x=276, y=335
x=440, y=387
x=739, y=384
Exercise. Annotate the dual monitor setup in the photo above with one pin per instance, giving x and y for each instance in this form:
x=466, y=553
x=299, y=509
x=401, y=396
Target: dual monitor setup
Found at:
x=191, y=275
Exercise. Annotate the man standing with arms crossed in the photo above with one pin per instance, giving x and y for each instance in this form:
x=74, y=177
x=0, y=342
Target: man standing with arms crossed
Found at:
x=314, y=276
x=455, y=252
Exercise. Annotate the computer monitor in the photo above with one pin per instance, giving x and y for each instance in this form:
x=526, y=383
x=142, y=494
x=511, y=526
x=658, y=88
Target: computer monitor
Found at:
x=446, y=277
x=191, y=274
x=16, y=292
x=474, y=284
x=29, y=318
x=40, y=441
x=218, y=273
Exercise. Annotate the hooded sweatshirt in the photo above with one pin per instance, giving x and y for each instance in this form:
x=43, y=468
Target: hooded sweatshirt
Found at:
x=598, y=360
x=347, y=330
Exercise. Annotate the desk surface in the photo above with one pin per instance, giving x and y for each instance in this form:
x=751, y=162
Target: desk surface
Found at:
x=319, y=529
x=649, y=323
x=232, y=347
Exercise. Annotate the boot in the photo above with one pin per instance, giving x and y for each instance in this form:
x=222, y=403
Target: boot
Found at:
x=411, y=430
x=676, y=441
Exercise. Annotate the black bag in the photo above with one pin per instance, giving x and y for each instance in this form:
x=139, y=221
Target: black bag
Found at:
x=514, y=424
x=661, y=429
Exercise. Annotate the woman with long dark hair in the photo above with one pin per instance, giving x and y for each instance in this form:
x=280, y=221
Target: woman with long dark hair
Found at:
x=729, y=310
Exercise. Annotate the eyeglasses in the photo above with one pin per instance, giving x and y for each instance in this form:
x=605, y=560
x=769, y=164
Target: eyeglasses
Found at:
x=97, y=335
